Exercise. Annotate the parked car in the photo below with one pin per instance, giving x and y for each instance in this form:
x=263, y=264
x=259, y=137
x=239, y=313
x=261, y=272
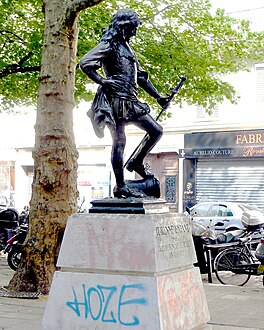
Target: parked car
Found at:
x=231, y=214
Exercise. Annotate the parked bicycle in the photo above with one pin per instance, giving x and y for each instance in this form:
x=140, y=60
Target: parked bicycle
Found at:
x=208, y=244
x=238, y=261
x=236, y=264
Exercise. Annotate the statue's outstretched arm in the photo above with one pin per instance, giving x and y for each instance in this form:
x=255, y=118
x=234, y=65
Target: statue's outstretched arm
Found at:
x=147, y=85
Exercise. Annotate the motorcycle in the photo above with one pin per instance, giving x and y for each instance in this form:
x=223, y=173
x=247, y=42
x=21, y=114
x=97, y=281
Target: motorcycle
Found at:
x=24, y=216
x=9, y=220
x=14, y=244
x=203, y=237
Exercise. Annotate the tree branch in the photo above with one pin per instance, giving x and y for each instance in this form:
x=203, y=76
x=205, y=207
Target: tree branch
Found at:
x=156, y=14
x=18, y=67
x=77, y=6
x=10, y=32
x=25, y=58
x=14, y=68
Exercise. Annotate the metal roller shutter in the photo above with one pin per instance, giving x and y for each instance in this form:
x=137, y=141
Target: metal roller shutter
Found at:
x=240, y=180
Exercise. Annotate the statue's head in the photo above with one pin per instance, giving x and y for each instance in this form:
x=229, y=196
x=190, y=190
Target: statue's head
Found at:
x=124, y=23
x=125, y=18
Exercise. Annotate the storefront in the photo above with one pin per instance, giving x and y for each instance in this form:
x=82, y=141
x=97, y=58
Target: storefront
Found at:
x=7, y=180
x=223, y=166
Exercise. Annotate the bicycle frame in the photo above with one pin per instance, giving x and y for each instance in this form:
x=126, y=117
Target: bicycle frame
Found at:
x=246, y=268
x=237, y=263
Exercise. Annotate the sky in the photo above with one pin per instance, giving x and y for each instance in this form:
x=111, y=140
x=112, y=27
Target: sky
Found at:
x=234, y=5
x=252, y=10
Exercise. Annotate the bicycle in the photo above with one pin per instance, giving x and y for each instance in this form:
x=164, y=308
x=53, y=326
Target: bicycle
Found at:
x=235, y=264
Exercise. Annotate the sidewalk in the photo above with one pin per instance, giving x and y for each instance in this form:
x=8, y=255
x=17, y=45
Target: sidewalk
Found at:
x=231, y=308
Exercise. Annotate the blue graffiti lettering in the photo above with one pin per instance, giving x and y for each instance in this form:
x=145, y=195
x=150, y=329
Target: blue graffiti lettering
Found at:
x=140, y=301
x=89, y=296
x=74, y=305
x=112, y=291
x=99, y=303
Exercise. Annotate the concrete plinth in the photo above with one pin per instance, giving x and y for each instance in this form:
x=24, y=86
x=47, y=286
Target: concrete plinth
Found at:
x=126, y=271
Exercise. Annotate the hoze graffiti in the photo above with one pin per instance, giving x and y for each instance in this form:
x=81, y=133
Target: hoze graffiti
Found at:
x=108, y=304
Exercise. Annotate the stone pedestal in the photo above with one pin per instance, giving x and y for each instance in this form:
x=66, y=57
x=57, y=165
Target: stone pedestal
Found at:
x=122, y=271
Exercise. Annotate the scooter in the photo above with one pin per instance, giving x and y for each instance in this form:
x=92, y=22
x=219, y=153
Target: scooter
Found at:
x=9, y=220
x=14, y=247
x=14, y=244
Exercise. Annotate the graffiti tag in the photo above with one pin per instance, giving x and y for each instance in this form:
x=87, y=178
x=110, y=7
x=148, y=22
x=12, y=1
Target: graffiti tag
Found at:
x=107, y=304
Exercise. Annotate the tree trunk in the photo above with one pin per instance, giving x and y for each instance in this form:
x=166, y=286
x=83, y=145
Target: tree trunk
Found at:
x=54, y=189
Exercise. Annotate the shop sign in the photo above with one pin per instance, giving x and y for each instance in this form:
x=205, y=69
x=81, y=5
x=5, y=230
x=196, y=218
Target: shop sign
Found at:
x=223, y=144
x=206, y=152
x=212, y=152
x=253, y=152
x=250, y=138
x=230, y=139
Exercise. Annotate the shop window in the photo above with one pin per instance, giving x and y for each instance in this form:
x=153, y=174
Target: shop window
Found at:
x=7, y=178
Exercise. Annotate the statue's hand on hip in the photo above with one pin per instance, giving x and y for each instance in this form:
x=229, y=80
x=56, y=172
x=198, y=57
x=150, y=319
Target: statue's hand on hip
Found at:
x=112, y=85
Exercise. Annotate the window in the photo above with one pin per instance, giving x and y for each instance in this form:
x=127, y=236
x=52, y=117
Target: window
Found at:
x=214, y=211
x=224, y=211
x=201, y=210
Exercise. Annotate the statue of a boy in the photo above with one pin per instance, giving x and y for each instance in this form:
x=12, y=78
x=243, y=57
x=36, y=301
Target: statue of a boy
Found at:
x=116, y=103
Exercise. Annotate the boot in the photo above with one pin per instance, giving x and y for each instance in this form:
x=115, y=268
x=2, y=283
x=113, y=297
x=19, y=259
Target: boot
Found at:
x=139, y=168
x=124, y=192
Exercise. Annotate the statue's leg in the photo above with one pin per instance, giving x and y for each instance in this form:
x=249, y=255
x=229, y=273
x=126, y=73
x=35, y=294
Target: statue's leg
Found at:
x=118, y=147
x=154, y=132
x=119, y=141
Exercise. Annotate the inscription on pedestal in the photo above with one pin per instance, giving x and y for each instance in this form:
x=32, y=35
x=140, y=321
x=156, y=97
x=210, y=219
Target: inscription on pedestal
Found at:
x=174, y=241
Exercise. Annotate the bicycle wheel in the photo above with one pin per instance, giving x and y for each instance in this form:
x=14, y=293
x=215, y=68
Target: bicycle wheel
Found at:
x=232, y=267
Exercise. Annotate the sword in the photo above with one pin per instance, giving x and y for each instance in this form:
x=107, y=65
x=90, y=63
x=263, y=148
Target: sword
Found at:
x=174, y=91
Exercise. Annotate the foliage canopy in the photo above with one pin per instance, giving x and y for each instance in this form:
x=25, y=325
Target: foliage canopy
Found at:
x=176, y=38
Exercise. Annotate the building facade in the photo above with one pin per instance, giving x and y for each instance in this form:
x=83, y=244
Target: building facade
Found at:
x=227, y=165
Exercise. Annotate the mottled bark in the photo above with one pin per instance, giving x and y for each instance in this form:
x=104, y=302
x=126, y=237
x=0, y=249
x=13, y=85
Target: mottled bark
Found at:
x=54, y=189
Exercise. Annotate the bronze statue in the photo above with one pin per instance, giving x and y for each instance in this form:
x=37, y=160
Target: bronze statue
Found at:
x=116, y=103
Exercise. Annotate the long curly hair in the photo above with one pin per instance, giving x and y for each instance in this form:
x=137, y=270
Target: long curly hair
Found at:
x=122, y=19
